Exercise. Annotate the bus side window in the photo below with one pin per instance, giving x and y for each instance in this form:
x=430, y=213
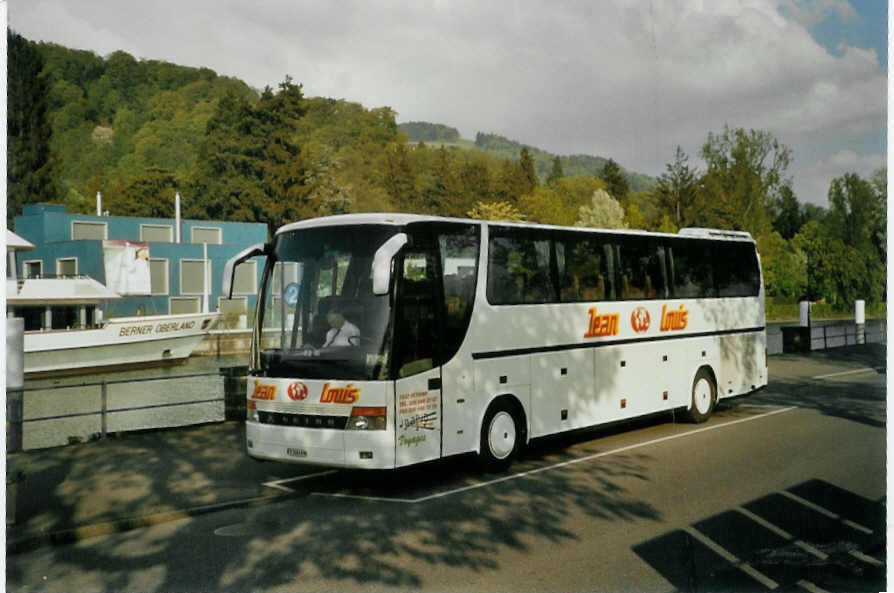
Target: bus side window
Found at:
x=641, y=270
x=459, y=264
x=519, y=268
x=693, y=274
x=582, y=269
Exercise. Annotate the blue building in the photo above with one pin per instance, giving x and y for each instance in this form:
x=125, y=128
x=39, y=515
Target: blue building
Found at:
x=79, y=244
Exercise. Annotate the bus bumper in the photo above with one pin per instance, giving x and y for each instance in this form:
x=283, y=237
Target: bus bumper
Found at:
x=372, y=449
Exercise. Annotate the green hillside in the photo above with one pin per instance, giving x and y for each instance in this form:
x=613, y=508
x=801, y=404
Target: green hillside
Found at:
x=575, y=165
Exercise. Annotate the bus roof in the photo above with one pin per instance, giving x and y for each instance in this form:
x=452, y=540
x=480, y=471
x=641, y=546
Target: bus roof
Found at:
x=399, y=219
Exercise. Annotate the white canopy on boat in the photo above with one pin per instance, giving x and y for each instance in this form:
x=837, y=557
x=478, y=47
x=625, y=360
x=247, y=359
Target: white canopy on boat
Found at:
x=16, y=243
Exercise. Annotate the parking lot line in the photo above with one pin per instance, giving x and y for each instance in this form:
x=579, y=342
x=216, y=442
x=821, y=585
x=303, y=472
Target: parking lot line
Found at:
x=732, y=558
x=279, y=483
x=843, y=373
x=826, y=512
x=564, y=463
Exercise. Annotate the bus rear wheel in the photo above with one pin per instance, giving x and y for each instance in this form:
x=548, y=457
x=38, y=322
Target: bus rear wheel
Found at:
x=704, y=396
x=501, y=436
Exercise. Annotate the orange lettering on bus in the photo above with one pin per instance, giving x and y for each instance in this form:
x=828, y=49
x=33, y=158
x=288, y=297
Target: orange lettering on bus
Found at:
x=263, y=391
x=340, y=395
x=602, y=324
x=674, y=319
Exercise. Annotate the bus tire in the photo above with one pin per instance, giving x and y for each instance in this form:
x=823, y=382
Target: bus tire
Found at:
x=501, y=437
x=704, y=396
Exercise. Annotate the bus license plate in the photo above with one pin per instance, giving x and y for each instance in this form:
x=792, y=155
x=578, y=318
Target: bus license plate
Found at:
x=296, y=452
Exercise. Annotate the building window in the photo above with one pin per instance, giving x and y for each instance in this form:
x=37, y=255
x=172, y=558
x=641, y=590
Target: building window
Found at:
x=192, y=280
x=289, y=269
x=178, y=305
x=211, y=235
x=32, y=268
x=157, y=233
x=89, y=230
x=245, y=279
x=67, y=266
x=158, y=275
x=233, y=305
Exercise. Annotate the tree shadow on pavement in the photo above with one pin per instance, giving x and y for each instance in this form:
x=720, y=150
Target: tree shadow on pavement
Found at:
x=347, y=541
x=778, y=542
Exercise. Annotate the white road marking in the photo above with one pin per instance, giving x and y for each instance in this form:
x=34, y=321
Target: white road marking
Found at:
x=279, y=483
x=571, y=461
x=825, y=511
x=843, y=373
x=808, y=586
x=732, y=559
x=867, y=559
x=362, y=497
x=783, y=533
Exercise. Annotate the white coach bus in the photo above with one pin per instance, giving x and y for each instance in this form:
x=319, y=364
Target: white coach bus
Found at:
x=384, y=340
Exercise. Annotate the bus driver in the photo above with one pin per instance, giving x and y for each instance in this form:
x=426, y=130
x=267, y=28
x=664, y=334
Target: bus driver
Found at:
x=341, y=330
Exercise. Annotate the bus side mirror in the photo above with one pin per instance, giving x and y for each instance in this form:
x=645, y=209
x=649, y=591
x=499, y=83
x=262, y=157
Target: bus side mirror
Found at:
x=381, y=267
x=230, y=268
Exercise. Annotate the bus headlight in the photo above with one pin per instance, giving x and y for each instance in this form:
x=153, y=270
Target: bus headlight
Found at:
x=367, y=419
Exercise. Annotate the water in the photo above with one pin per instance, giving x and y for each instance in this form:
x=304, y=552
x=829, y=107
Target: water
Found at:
x=63, y=410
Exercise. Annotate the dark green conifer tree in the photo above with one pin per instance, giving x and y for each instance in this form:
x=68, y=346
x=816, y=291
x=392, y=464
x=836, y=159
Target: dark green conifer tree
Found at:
x=31, y=169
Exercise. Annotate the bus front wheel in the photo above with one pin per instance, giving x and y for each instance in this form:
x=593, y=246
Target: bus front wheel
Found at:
x=501, y=437
x=704, y=396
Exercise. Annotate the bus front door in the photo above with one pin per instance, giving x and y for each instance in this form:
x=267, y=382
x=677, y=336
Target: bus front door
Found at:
x=418, y=408
x=417, y=387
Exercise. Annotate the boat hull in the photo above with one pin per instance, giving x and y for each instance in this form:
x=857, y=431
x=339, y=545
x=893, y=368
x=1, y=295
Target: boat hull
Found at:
x=121, y=342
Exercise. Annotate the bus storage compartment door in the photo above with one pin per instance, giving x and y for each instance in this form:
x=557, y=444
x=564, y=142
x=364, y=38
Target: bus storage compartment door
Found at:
x=418, y=417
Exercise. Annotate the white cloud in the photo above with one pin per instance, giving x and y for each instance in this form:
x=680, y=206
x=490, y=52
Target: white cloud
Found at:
x=817, y=176
x=616, y=78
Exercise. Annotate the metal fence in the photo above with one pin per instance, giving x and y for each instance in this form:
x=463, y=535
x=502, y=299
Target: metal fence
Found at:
x=824, y=337
x=52, y=415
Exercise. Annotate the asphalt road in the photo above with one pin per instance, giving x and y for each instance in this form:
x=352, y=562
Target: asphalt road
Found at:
x=783, y=490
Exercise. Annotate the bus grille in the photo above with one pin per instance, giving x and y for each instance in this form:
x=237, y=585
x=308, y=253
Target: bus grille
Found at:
x=303, y=420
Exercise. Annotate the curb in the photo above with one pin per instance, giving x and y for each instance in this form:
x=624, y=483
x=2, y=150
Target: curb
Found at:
x=32, y=541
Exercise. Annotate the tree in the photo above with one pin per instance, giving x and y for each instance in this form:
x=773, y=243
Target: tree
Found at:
x=545, y=205
x=324, y=192
x=615, y=181
x=676, y=193
x=555, y=173
x=526, y=162
x=399, y=178
x=495, y=211
x=784, y=266
x=853, y=208
x=32, y=171
x=880, y=222
x=836, y=272
x=151, y=195
x=745, y=175
x=635, y=218
x=603, y=212
x=789, y=215
x=250, y=165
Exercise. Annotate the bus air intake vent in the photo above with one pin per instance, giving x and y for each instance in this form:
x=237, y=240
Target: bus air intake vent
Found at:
x=303, y=420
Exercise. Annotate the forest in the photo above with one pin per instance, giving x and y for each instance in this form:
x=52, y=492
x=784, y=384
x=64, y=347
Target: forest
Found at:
x=140, y=130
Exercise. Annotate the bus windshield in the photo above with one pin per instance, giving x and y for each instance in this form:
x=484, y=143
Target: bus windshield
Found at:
x=319, y=315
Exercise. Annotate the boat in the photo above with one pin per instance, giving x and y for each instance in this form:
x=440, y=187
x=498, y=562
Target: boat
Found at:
x=65, y=332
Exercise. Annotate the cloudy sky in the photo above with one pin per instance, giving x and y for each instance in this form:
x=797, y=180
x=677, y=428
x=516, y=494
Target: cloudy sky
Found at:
x=624, y=79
